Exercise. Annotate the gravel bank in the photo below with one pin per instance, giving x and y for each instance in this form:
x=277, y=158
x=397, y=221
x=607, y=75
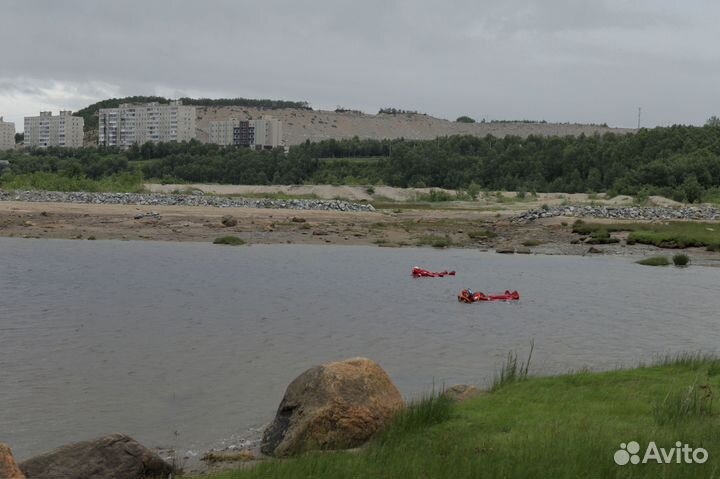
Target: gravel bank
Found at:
x=153, y=199
x=623, y=213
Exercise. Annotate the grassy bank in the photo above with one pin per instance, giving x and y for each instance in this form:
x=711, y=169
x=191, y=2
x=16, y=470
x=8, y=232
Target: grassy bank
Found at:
x=674, y=234
x=118, y=183
x=654, y=261
x=566, y=426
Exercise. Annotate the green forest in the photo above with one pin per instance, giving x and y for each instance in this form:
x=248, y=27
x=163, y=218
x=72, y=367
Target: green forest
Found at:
x=679, y=162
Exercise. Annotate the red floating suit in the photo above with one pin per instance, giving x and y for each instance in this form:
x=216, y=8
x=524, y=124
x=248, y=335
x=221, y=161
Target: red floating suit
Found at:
x=467, y=296
x=423, y=273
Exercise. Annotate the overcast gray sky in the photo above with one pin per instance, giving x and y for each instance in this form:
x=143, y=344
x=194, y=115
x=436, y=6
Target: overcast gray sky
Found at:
x=558, y=60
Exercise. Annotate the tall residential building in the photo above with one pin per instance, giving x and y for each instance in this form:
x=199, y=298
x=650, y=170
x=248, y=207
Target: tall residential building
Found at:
x=46, y=130
x=221, y=132
x=265, y=133
x=268, y=133
x=7, y=135
x=131, y=124
x=244, y=134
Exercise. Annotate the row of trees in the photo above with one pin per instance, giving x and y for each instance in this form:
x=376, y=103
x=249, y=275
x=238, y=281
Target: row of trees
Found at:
x=680, y=162
x=397, y=111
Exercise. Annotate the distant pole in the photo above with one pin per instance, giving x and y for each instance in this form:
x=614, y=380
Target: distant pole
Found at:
x=639, y=113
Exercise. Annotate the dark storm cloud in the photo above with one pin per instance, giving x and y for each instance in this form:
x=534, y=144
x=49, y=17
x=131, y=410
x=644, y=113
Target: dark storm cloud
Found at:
x=560, y=60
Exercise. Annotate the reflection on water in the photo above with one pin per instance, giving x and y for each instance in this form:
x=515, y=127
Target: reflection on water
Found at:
x=151, y=338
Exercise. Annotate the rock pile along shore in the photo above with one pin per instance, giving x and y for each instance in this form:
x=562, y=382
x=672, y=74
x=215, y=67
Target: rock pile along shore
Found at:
x=153, y=199
x=623, y=213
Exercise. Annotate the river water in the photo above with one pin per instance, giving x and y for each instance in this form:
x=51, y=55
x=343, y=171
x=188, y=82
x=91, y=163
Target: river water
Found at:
x=182, y=345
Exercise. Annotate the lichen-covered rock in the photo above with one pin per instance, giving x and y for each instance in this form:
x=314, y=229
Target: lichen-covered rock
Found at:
x=333, y=406
x=8, y=467
x=462, y=392
x=115, y=456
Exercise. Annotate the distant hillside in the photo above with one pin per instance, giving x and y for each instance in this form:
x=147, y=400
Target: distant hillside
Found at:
x=317, y=125
x=90, y=113
x=302, y=123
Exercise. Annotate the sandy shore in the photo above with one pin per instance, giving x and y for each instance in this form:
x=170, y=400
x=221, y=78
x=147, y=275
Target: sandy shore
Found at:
x=185, y=223
x=463, y=228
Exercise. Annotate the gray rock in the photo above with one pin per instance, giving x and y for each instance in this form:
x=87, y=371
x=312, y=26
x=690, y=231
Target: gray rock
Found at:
x=153, y=199
x=623, y=213
x=228, y=221
x=115, y=456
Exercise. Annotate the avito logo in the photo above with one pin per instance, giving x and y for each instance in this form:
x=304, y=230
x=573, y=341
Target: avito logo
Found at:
x=680, y=454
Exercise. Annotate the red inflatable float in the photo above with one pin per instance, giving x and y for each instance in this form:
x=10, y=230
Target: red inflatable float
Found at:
x=467, y=296
x=423, y=273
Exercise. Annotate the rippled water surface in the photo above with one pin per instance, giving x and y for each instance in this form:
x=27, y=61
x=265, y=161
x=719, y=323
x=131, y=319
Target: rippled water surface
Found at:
x=183, y=344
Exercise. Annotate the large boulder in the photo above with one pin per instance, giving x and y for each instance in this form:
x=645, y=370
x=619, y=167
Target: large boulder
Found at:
x=333, y=406
x=115, y=456
x=8, y=467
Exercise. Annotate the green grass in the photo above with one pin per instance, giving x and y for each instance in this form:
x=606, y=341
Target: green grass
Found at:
x=680, y=259
x=654, y=261
x=519, y=197
x=599, y=233
x=436, y=196
x=582, y=228
x=712, y=197
x=229, y=240
x=512, y=371
x=566, y=427
x=601, y=236
x=694, y=401
x=675, y=234
x=118, y=183
x=419, y=415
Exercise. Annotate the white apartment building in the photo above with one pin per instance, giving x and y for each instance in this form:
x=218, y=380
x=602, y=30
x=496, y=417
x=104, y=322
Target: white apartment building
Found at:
x=131, y=124
x=221, y=132
x=7, y=135
x=268, y=132
x=46, y=130
x=265, y=133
